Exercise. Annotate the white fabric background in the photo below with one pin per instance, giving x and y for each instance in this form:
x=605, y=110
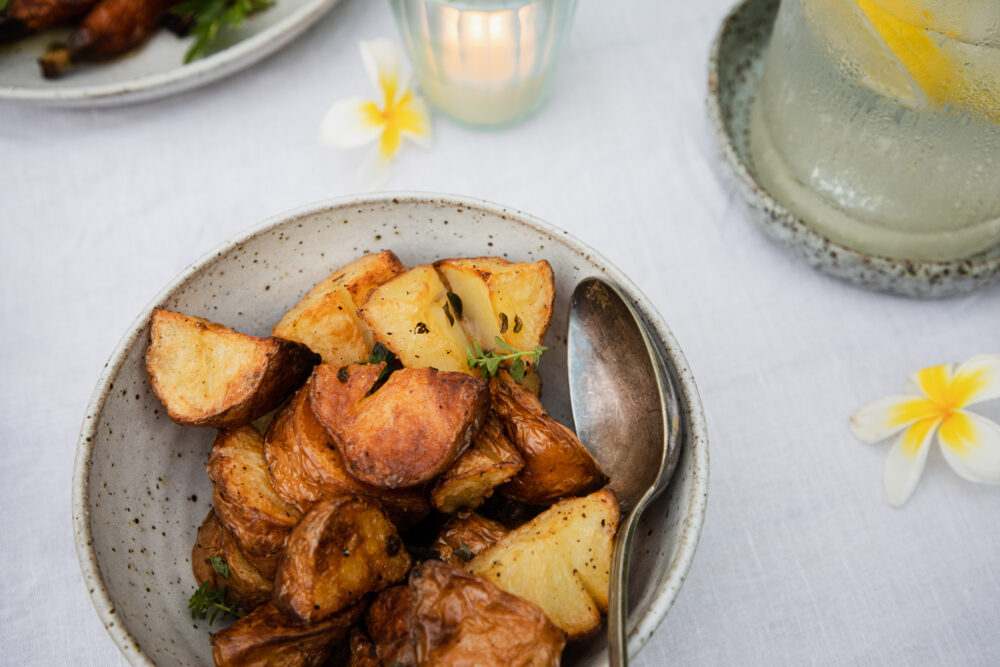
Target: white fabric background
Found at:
x=802, y=560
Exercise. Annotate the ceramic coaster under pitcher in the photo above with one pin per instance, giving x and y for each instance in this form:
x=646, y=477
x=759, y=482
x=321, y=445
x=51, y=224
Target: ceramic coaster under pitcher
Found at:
x=865, y=135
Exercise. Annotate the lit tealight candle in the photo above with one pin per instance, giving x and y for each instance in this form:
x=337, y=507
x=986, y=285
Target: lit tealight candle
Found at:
x=485, y=63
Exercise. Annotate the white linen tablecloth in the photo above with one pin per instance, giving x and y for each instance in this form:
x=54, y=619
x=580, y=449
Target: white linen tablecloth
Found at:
x=802, y=559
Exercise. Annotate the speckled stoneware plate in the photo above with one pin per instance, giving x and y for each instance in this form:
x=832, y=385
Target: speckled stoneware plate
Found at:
x=735, y=65
x=140, y=489
x=157, y=68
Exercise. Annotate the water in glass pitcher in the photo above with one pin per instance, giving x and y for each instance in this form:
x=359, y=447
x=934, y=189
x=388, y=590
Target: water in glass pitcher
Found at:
x=878, y=123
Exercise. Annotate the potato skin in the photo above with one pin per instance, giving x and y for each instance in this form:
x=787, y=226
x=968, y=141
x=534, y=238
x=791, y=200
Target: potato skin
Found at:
x=407, y=432
x=246, y=586
x=458, y=619
x=362, y=649
x=556, y=465
x=244, y=500
x=476, y=533
x=342, y=549
x=266, y=638
x=388, y=626
x=250, y=376
x=305, y=467
x=489, y=462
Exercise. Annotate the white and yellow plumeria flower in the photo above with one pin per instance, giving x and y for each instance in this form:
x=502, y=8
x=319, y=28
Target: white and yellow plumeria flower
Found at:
x=935, y=402
x=358, y=121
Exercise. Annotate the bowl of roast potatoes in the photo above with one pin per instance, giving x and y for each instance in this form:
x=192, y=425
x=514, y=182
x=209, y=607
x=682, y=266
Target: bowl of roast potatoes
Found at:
x=345, y=437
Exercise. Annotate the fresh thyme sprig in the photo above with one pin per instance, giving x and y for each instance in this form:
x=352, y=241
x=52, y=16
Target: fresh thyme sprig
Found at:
x=212, y=16
x=207, y=599
x=490, y=361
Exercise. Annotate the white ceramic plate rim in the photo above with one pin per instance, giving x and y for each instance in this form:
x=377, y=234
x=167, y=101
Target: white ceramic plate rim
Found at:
x=664, y=595
x=183, y=77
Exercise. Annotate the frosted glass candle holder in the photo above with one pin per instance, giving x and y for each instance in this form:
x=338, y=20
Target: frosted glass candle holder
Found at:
x=487, y=63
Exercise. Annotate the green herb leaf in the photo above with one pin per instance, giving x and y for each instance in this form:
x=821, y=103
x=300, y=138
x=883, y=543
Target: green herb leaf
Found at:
x=3, y=4
x=380, y=353
x=220, y=566
x=517, y=370
x=464, y=553
x=207, y=599
x=490, y=361
x=212, y=17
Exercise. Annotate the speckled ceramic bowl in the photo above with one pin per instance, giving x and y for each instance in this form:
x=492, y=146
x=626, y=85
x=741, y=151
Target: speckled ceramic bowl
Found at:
x=140, y=487
x=735, y=66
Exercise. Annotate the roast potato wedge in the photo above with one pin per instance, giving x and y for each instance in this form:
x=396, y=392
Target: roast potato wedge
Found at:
x=512, y=301
x=362, y=649
x=388, y=623
x=465, y=535
x=326, y=318
x=461, y=619
x=407, y=432
x=245, y=586
x=560, y=560
x=305, y=467
x=556, y=465
x=488, y=463
x=244, y=499
x=267, y=638
x=206, y=374
x=412, y=316
x=343, y=549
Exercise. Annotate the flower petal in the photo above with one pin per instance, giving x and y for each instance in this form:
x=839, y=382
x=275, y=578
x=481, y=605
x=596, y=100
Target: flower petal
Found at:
x=933, y=382
x=413, y=118
x=888, y=416
x=977, y=380
x=384, y=65
x=351, y=123
x=905, y=463
x=374, y=172
x=970, y=444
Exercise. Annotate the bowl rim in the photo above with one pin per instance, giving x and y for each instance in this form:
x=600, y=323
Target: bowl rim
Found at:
x=666, y=591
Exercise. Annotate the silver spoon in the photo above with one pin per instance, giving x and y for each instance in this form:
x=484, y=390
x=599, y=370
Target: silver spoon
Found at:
x=627, y=414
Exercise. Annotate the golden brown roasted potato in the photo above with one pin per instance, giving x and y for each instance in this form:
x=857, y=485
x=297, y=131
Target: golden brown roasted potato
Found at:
x=412, y=316
x=465, y=535
x=387, y=621
x=326, y=318
x=206, y=374
x=268, y=638
x=305, y=467
x=244, y=499
x=461, y=619
x=363, y=652
x=407, y=432
x=560, y=560
x=556, y=465
x=488, y=463
x=245, y=586
x=501, y=298
x=342, y=549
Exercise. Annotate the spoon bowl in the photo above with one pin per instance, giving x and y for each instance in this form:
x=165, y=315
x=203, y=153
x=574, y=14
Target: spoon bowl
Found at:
x=626, y=413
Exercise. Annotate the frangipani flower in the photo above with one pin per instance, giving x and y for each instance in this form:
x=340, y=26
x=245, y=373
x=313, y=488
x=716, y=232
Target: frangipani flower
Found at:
x=358, y=121
x=935, y=402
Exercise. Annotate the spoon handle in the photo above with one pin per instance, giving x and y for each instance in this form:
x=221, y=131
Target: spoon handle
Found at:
x=618, y=602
